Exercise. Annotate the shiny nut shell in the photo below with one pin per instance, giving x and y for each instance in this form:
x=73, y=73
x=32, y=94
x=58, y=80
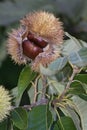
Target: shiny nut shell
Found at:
x=30, y=49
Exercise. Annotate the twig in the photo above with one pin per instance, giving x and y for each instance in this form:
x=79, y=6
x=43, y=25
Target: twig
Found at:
x=35, y=88
x=75, y=71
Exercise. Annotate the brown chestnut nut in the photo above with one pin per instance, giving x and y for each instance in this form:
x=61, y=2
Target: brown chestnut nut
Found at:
x=30, y=36
x=38, y=41
x=30, y=49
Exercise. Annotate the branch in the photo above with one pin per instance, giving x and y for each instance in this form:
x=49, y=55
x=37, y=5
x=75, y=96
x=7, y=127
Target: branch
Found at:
x=28, y=107
x=76, y=70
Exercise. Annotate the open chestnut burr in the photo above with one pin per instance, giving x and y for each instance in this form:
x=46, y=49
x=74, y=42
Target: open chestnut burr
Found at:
x=37, y=41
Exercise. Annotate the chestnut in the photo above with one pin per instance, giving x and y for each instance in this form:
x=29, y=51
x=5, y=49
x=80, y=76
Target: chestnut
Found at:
x=38, y=41
x=30, y=49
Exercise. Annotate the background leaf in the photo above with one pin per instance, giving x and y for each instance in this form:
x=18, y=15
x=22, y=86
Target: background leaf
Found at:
x=75, y=117
x=65, y=123
x=81, y=109
x=26, y=76
x=64, y=74
x=70, y=112
x=56, y=127
x=55, y=87
x=77, y=88
x=58, y=64
x=81, y=77
x=46, y=71
x=19, y=118
x=37, y=118
x=72, y=45
x=54, y=67
x=79, y=58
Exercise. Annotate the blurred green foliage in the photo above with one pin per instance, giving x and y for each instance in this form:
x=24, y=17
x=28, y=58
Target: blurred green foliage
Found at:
x=72, y=13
